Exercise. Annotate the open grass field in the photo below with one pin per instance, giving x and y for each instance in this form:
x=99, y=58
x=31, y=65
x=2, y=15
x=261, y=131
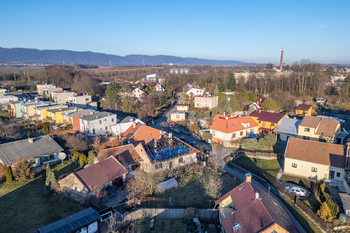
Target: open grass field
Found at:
x=271, y=167
x=190, y=193
x=26, y=206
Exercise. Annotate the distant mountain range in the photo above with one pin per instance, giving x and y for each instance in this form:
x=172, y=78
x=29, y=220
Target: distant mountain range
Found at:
x=31, y=56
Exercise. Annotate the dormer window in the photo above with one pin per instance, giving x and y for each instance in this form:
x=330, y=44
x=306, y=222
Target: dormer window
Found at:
x=236, y=227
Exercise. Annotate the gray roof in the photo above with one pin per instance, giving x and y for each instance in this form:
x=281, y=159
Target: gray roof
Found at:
x=72, y=223
x=54, y=110
x=85, y=111
x=51, y=106
x=44, y=145
x=96, y=115
x=288, y=126
x=128, y=119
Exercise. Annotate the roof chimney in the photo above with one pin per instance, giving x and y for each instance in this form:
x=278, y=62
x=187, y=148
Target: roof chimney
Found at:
x=248, y=177
x=134, y=125
x=256, y=195
x=170, y=135
x=224, y=113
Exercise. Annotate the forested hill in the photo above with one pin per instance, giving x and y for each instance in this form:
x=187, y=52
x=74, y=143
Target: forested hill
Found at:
x=24, y=55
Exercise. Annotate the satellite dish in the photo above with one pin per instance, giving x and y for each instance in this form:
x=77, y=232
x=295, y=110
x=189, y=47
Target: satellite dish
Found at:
x=62, y=156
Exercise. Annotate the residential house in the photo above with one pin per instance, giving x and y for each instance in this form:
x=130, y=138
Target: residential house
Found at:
x=178, y=116
x=73, y=117
x=41, y=111
x=287, y=128
x=48, y=91
x=321, y=100
x=79, y=100
x=196, y=91
x=317, y=160
x=3, y=91
x=40, y=88
x=227, y=129
x=255, y=106
x=60, y=97
x=106, y=82
x=249, y=209
x=6, y=100
x=303, y=109
x=136, y=134
x=97, y=123
x=125, y=124
x=90, y=180
x=267, y=121
x=41, y=150
x=15, y=109
x=29, y=108
x=87, y=221
x=134, y=92
x=126, y=155
x=158, y=87
x=321, y=129
x=206, y=101
x=182, y=107
x=56, y=114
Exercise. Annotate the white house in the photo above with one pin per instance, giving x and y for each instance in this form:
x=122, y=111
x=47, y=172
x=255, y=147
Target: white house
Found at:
x=97, y=123
x=195, y=91
x=124, y=125
x=158, y=87
x=78, y=100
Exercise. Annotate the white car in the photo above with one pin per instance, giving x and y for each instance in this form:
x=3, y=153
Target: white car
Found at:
x=297, y=191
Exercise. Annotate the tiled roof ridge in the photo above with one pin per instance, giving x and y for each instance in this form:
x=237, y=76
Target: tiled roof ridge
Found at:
x=116, y=147
x=135, y=131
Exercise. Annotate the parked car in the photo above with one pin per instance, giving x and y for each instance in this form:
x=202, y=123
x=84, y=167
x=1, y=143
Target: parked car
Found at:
x=297, y=191
x=184, y=139
x=194, y=144
x=177, y=131
x=207, y=150
x=251, y=135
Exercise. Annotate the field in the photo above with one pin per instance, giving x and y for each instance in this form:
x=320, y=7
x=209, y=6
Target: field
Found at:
x=26, y=206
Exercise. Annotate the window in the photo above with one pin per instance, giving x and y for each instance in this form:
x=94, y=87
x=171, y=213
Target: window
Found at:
x=314, y=169
x=198, y=100
x=105, y=119
x=259, y=122
x=252, y=130
x=233, y=135
x=272, y=124
x=106, y=128
x=207, y=105
x=100, y=122
x=294, y=165
x=177, y=116
x=237, y=226
x=241, y=133
x=158, y=166
x=198, y=104
x=86, y=99
x=306, y=129
x=52, y=157
x=206, y=100
x=213, y=133
x=264, y=124
x=181, y=160
x=112, y=119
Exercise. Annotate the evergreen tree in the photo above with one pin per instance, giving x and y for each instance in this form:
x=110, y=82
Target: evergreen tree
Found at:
x=269, y=140
x=82, y=159
x=48, y=175
x=91, y=157
x=228, y=108
x=194, y=128
x=269, y=105
x=53, y=181
x=204, y=83
x=231, y=81
x=216, y=90
x=46, y=130
x=233, y=103
x=44, y=96
x=51, y=99
x=9, y=177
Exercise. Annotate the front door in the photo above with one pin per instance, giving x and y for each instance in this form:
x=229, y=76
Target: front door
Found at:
x=331, y=174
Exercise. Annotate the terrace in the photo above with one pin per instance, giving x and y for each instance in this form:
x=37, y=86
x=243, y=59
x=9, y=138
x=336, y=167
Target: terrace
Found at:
x=166, y=148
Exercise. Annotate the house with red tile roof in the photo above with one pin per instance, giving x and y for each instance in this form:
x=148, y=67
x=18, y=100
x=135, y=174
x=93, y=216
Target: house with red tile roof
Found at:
x=316, y=160
x=228, y=129
x=158, y=87
x=90, y=180
x=249, y=209
x=267, y=121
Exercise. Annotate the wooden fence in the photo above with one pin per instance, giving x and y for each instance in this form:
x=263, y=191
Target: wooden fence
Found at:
x=325, y=226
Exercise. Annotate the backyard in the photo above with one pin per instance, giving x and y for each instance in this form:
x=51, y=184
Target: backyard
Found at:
x=265, y=166
x=190, y=193
x=26, y=206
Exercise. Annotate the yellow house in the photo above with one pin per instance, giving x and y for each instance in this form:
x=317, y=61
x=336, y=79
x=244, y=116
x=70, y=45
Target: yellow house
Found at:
x=321, y=129
x=41, y=111
x=57, y=116
x=315, y=160
x=267, y=121
x=303, y=109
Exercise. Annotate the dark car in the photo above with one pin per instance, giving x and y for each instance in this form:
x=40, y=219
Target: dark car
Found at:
x=194, y=144
x=184, y=139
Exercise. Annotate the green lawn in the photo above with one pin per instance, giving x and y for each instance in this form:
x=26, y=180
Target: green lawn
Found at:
x=26, y=206
x=271, y=167
x=190, y=193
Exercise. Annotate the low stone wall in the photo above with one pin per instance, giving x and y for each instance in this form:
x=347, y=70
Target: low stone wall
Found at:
x=166, y=213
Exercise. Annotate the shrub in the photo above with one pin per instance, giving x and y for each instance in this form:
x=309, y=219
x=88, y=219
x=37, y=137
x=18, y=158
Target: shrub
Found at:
x=24, y=170
x=332, y=205
x=91, y=157
x=325, y=213
x=80, y=157
x=251, y=143
x=9, y=177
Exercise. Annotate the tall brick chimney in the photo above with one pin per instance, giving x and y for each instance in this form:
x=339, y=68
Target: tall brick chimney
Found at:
x=281, y=65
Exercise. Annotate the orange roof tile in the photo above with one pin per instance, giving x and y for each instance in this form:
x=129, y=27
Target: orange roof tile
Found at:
x=142, y=133
x=125, y=153
x=229, y=124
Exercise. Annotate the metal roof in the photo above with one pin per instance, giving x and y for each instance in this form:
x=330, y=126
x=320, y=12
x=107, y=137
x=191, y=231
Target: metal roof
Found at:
x=44, y=145
x=96, y=116
x=288, y=126
x=72, y=223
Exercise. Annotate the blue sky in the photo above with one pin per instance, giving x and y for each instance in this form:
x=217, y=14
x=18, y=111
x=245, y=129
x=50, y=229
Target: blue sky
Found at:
x=250, y=31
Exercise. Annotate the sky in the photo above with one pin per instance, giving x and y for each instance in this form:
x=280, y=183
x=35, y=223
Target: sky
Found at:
x=249, y=31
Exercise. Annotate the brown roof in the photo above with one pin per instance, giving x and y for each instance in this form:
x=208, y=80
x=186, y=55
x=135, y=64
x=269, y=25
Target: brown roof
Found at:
x=267, y=116
x=316, y=152
x=142, y=133
x=252, y=214
x=310, y=121
x=326, y=126
x=303, y=107
x=99, y=174
x=233, y=124
x=126, y=153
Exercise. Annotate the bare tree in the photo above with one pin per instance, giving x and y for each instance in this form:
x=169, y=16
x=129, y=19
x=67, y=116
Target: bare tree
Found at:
x=214, y=160
x=212, y=184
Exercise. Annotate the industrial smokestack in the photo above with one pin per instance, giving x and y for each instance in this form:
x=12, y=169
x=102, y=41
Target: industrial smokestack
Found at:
x=281, y=65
